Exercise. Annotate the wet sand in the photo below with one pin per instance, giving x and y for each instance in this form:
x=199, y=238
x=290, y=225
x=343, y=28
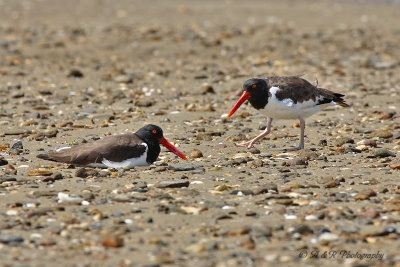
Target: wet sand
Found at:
x=72, y=72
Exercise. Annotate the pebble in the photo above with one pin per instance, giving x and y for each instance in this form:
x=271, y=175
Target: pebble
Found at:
x=366, y=194
x=10, y=239
x=10, y=170
x=242, y=192
x=112, y=241
x=17, y=145
x=37, y=212
x=207, y=88
x=47, y=134
x=371, y=213
x=56, y=176
x=124, y=78
x=221, y=216
x=122, y=198
x=144, y=103
x=290, y=216
x=172, y=184
x=369, y=231
x=86, y=172
x=195, y=154
x=344, y=140
x=303, y=229
x=32, y=115
x=7, y=178
x=3, y=161
x=251, y=214
x=261, y=229
x=351, y=149
x=261, y=126
x=162, y=260
x=329, y=182
x=63, y=197
x=383, y=133
x=160, y=169
x=254, y=150
x=383, y=64
x=39, y=172
x=371, y=143
x=40, y=193
x=308, y=154
x=47, y=242
x=327, y=238
x=12, y=212
x=196, y=248
x=297, y=161
x=87, y=195
x=17, y=132
x=185, y=167
x=395, y=166
x=86, y=112
x=75, y=73
x=323, y=142
x=311, y=217
x=192, y=210
x=16, y=148
x=267, y=188
x=247, y=242
x=383, y=153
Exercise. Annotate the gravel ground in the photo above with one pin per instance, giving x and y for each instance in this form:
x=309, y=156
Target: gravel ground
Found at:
x=75, y=71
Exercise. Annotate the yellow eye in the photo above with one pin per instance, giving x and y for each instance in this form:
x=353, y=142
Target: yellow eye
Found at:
x=154, y=131
x=253, y=86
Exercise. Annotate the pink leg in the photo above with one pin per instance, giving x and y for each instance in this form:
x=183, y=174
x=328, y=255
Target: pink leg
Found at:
x=250, y=143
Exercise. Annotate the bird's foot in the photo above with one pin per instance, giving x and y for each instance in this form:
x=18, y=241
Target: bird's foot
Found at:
x=248, y=144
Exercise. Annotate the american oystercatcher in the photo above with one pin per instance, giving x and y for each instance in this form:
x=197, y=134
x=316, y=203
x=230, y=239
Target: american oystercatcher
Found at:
x=285, y=97
x=119, y=151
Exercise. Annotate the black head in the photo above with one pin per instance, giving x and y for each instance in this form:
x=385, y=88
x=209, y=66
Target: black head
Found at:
x=150, y=132
x=256, y=91
x=254, y=86
x=153, y=136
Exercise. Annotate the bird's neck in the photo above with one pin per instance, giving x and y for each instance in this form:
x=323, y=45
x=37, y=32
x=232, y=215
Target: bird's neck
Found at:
x=153, y=148
x=152, y=152
x=259, y=99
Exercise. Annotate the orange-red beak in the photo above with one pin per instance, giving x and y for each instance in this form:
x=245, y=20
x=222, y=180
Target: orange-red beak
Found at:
x=243, y=98
x=171, y=147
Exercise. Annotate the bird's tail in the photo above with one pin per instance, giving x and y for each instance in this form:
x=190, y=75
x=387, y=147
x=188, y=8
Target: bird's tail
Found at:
x=338, y=98
x=330, y=96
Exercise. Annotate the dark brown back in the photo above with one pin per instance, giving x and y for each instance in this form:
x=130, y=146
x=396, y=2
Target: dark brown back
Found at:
x=300, y=90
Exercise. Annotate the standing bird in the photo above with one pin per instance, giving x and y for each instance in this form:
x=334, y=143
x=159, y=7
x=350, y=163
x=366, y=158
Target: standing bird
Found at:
x=118, y=151
x=285, y=97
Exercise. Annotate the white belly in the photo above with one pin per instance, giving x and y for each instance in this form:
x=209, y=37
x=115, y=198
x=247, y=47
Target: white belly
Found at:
x=129, y=163
x=286, y=109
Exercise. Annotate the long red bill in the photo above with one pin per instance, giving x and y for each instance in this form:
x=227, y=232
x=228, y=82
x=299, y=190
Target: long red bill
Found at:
x=243, y=98
x=172, y=148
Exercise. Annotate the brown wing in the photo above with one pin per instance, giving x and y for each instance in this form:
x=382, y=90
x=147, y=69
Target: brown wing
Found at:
x=299, y=90
x=114, y=148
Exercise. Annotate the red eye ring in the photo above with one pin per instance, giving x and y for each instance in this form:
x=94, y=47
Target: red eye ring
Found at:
x=154, y=131
x=254, y=86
